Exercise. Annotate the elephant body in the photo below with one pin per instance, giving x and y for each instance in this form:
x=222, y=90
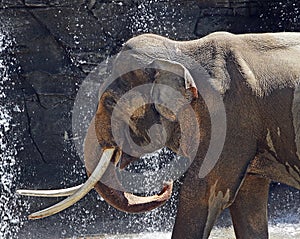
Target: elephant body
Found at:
x=258, y=77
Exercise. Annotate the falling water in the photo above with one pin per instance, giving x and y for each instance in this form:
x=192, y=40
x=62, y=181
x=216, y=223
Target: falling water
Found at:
x=10, y=219
x=287, y=231
x=281, y=15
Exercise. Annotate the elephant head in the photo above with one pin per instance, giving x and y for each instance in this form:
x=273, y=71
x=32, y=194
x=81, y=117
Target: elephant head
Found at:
x=130, y=120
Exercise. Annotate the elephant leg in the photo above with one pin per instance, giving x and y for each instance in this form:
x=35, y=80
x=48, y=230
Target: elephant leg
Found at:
x=249, y=209
x=196, y=215
x=202, y=200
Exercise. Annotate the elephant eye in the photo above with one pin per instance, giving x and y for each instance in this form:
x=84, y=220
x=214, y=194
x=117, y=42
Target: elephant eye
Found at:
x=109, y=100
x=138, y=113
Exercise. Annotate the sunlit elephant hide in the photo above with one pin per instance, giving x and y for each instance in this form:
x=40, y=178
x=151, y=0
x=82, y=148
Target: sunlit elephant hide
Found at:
x=248, y=83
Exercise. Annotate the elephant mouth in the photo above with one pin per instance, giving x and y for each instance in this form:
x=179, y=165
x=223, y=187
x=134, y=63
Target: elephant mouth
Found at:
x=101, y=165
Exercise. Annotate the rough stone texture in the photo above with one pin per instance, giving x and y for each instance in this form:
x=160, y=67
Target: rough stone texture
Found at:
x=56, y=44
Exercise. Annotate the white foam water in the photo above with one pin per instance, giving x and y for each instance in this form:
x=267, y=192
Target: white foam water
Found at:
x=9, y=219
x=279, y=231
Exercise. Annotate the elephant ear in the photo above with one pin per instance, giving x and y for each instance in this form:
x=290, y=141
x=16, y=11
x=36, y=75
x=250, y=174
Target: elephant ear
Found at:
x=173, y=87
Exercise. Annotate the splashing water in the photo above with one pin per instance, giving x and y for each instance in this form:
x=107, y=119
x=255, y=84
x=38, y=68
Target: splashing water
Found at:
x=284, y=16
x=288, y=231
x=154, y=17
x=142, y=18
x=10, y=220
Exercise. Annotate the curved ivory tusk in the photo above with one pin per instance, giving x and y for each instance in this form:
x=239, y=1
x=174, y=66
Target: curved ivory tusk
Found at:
x=49, y=193
x=88, y=185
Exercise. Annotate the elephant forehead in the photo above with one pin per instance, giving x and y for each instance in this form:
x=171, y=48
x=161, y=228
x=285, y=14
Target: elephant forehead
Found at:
x=296, y=118
x=169, y=78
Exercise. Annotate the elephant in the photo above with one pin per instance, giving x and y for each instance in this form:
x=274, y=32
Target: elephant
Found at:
x=252, y=79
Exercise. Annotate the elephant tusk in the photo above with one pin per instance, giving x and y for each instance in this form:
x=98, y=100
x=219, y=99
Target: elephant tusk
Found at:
x=49, y=193
x=87, y=186
x=163, y=196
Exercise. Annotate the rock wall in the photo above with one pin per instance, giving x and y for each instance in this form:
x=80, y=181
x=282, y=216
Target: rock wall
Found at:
x=53, y=46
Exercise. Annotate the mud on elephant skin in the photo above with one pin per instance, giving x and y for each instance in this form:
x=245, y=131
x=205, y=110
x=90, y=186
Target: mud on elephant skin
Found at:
x=257, y=78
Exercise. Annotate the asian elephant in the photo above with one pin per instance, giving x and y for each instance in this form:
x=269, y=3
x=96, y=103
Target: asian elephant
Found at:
x=252, y=79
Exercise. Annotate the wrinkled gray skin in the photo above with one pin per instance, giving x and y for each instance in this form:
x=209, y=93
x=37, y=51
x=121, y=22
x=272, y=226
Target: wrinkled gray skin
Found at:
x=257, y=76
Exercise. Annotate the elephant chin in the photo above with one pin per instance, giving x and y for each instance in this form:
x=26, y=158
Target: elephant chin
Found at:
x=110, y=189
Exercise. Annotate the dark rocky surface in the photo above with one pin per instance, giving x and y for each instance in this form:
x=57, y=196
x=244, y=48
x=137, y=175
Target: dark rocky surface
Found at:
x=53, y=46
